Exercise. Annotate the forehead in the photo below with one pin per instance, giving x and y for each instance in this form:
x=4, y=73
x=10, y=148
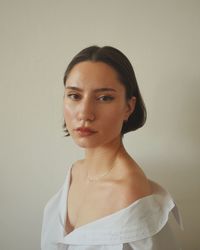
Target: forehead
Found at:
x=90, y=73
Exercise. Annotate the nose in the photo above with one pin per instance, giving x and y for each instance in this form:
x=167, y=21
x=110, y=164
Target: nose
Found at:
x=86, y=111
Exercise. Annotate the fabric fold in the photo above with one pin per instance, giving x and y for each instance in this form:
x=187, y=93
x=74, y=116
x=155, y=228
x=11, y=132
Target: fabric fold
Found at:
x=139, y=221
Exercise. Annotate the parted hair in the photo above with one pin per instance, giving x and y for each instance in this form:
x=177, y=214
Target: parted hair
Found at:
x=121, y=64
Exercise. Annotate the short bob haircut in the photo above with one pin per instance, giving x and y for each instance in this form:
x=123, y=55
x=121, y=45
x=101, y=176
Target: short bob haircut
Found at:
x=120, y=63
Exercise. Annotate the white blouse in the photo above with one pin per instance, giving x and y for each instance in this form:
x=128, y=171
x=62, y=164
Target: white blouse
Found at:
x=143, y=225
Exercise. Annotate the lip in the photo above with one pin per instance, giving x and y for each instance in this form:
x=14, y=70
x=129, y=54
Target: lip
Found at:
x=85, y=131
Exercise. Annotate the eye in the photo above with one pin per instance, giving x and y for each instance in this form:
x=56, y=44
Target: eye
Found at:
x=106, y=98
x=73, y=96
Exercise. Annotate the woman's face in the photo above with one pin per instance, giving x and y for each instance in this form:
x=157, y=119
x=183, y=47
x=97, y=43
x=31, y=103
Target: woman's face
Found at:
x=95, y=106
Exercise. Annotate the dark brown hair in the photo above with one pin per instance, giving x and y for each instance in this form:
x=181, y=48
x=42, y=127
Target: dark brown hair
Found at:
x=120, y=63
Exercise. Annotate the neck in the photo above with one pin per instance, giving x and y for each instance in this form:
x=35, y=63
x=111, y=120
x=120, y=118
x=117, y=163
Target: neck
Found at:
x=99, y=160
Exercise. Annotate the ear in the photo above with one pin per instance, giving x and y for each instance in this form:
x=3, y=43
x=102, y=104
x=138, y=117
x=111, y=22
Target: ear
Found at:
x=130, y=107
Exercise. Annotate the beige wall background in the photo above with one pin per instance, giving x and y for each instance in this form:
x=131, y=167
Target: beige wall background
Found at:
x=38, y=39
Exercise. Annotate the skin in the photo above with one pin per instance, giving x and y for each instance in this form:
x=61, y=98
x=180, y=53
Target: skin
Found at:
x=95, y=98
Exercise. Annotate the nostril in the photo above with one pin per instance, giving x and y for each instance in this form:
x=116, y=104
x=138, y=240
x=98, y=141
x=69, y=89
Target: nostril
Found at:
x=86, y=117
x=86, y=112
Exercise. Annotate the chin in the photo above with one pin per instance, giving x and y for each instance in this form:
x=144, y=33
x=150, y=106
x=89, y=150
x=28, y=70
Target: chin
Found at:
x=86, y=144
x=89, y=142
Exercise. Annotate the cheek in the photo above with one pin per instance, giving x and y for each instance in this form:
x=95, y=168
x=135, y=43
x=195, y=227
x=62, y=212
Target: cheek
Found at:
x=113, y=118
x=68, y=113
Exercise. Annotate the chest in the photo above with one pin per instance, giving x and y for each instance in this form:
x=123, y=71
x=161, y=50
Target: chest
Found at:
x=87, y=203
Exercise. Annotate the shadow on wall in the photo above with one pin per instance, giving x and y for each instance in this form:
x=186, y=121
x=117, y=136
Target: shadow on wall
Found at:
x=178, y=167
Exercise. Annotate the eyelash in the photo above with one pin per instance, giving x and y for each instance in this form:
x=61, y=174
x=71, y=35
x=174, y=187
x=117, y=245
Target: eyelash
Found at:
x=106, y=98
x=75, y=97
x=71, y=96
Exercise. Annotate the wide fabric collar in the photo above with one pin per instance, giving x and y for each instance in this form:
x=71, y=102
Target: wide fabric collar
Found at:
x=141, y=219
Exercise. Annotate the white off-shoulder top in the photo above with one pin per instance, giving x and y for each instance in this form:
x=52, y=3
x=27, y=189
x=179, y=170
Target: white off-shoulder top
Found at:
x=143, y=225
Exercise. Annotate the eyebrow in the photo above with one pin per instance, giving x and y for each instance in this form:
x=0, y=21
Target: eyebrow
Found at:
x=96, y=90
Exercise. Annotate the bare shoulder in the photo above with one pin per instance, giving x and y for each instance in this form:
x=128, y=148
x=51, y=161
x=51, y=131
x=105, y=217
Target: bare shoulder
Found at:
x=133, y=185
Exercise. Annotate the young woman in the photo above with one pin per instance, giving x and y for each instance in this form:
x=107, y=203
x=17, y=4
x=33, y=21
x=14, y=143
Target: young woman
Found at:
x=106, y=202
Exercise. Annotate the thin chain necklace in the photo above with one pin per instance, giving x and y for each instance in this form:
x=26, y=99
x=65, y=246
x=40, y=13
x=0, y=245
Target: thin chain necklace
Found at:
x=97, y=178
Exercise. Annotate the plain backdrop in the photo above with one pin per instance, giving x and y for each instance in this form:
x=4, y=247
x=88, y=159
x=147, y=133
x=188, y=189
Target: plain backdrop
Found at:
x=37, y=41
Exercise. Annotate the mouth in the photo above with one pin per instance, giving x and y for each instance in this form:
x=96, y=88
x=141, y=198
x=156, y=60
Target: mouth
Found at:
x=85, y=131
